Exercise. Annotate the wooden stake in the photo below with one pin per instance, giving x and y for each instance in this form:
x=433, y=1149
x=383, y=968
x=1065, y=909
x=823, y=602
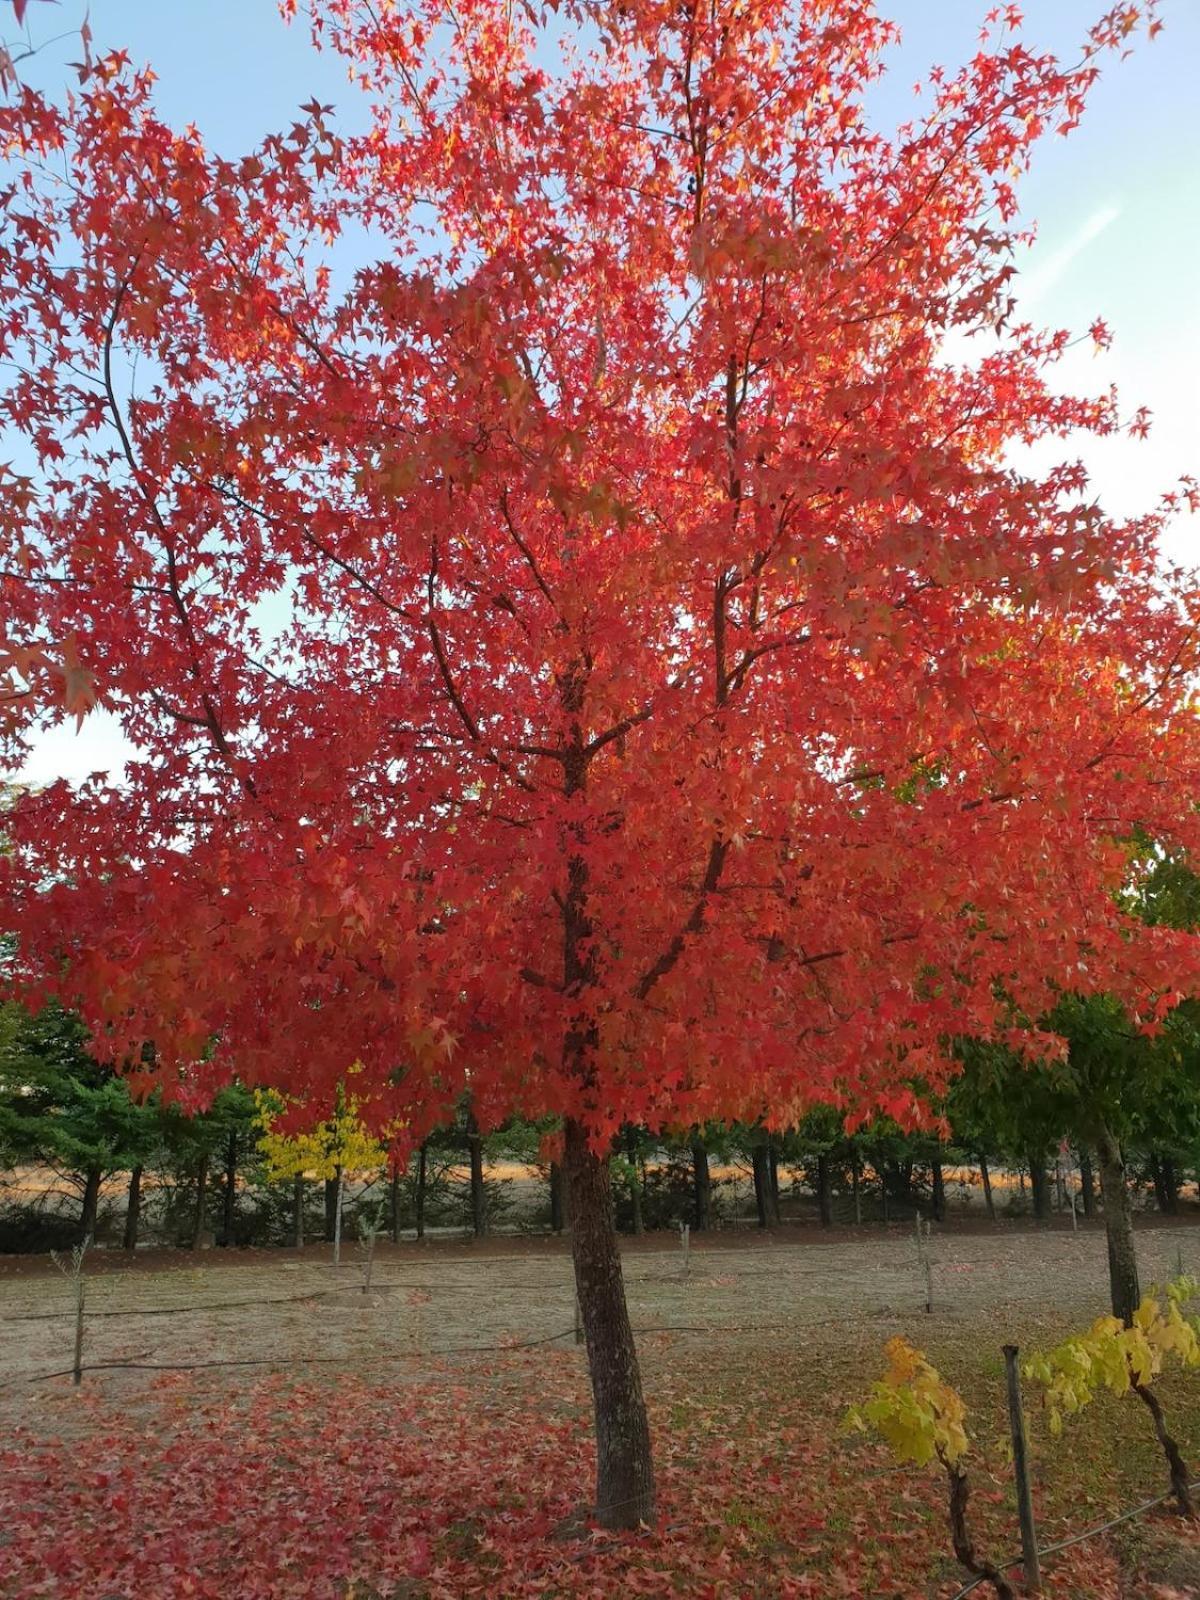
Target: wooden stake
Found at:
x=1020, y=1450
x=684, y=1238
x=75, y=1273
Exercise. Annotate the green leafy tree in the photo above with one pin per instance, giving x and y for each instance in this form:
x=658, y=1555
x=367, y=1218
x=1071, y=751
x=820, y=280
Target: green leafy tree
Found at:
x=60, y=1108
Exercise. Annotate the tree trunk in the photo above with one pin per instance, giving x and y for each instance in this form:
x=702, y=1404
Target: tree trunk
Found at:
x=635, y=1187
x=1156, y=1177
x=91, y=1203
x=773, y=1174
x=133, y=1209
x=478, y=1210
x=201, y=1201
x=419, y=1197
x=556, y=1197
x=856, y=1185
x=229, y=1199
x=960, y=1538
x=761, y=1181
x=1118, y=1228
x=1172, y=1186
x=1087, y=1183
x=624, y=1470
x=331, y=1190
x=1039, y=1182
x=764, y=1198
x=1175, y=1462
x=339, y=1193
x=395, y=1204
x=701, y=1186
x=986, y=1178
x=939, y=1191
x=824, y=1192
x=1169, y=1198
x=298, y=1211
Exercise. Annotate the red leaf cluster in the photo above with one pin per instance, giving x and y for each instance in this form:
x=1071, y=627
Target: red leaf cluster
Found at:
x=599, y=655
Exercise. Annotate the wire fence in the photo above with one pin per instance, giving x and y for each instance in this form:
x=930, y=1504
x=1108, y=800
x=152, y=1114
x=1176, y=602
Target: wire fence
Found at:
x=658, y=1270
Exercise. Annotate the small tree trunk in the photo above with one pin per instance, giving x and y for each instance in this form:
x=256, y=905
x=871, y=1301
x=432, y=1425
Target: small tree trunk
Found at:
x=824, y=1192
x=856, y=1184
x=478, y=1211
x=133, y=1209
x=1156, y=1178
x=331, y=1189
x=1039, y=1182
x=1087, y=1183
x=1175, y=1462
x=624, y=1470
x=1125, y=1291
x=701, y=1186
x=1172, y=1184
x=229, y=1198
x=395, y=1204
x=201, y=1200
x=939, y=1191
x=964, y=1547
x=419, y=1197
x=91, y=1203
x=339, y=1192
x=635, y=1187
x=773, y=1174
x=762, y=1183
x=556, y=1197
x=989, y=1199
x=298, y=1211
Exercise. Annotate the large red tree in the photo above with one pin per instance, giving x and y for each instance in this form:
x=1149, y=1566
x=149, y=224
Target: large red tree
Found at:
x=682, y=711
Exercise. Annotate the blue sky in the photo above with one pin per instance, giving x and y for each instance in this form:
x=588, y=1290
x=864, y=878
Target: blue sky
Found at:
x=1117, y=204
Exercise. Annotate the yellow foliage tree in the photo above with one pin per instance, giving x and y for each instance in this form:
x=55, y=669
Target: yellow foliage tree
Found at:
x=1125, y=1360
x=921, y=1417
x=328, y=1151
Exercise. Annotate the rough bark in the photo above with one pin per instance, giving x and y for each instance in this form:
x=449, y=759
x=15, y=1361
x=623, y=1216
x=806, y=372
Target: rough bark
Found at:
x=824, y=1192
x=298, y=1211
x=1087, y=1183
x=701, y=1186
x=91, y=1203
x=986, y=1178
x=1118, y=1228
x=624, y=1470
x=133, y=1210
x=229, y=1195
x=201, y=1201
x=939, y=1191
x=773, y=1176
